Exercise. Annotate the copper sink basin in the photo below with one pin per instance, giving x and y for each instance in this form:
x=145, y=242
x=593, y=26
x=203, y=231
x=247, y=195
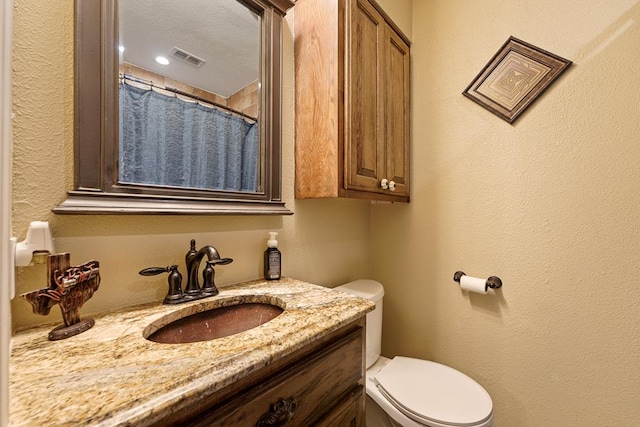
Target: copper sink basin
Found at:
x=217, y=319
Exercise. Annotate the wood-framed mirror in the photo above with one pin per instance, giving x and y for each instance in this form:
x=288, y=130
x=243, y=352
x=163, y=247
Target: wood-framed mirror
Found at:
x=102, y=184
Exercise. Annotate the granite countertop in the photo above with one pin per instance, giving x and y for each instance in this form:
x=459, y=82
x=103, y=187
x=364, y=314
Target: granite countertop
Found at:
x=111, y=375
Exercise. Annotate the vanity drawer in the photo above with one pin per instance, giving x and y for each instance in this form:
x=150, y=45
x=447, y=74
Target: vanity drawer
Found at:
x=348, y=413
x=314, y=388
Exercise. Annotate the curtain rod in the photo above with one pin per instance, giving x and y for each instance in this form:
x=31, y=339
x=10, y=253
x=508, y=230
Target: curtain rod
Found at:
x=149, y=83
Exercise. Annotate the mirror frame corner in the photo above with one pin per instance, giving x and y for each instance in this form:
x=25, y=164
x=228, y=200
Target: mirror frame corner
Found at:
x=96, y=187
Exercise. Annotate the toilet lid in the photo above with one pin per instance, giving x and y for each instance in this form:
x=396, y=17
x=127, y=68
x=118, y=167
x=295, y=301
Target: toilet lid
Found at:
x=430, y=392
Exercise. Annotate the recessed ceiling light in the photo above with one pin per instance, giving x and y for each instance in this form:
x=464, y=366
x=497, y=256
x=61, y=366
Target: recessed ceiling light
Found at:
x=162, y=60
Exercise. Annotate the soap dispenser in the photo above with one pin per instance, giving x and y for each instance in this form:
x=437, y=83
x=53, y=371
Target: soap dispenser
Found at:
x=272, y=258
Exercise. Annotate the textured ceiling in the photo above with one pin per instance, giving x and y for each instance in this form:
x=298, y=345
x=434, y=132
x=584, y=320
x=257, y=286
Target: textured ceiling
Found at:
x=222, y=32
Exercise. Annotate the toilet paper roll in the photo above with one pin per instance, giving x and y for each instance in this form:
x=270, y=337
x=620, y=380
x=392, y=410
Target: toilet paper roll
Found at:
x=473, y=284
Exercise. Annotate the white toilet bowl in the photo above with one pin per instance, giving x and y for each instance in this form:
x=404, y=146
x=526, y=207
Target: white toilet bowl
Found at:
x=412, y=392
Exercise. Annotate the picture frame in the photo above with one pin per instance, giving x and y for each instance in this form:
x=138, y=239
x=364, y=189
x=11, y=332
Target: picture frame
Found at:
x=515, y=77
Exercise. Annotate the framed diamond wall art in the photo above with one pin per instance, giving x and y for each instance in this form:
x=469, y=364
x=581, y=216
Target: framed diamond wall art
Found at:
x=516, y=75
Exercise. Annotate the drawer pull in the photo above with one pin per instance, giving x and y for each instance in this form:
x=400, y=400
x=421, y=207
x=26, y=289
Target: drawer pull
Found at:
x=281, y=412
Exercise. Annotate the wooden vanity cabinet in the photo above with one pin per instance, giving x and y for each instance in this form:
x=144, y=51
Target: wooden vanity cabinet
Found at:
x=319, y=385
x=352, y=68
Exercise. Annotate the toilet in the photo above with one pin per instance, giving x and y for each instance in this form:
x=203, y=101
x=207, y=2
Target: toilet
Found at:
x=409, y=392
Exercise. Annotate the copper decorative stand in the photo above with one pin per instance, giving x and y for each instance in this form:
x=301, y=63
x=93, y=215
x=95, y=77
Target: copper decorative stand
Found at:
x=69, y=287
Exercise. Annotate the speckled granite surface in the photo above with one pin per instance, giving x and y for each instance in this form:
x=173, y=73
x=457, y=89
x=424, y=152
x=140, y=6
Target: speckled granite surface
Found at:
x=111, y=375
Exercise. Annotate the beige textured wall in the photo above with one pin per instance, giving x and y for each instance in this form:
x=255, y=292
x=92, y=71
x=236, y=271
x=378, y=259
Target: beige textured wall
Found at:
x=325, y=242
x=549, y=204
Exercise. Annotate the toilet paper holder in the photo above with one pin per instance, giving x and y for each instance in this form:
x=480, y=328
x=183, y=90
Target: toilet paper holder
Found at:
x=493, y=282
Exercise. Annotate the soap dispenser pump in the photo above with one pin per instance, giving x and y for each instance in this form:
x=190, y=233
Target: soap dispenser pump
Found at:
x=272, y=258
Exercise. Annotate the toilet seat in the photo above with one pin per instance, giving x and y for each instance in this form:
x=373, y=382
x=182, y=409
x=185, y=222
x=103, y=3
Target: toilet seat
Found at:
x=430, y=393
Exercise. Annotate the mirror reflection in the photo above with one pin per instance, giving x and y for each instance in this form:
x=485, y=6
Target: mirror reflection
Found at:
x=100, y=186
x=189, y=95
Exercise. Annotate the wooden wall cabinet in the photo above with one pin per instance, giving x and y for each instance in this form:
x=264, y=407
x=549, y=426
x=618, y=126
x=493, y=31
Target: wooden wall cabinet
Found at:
x=352, y=67
x=321, y=384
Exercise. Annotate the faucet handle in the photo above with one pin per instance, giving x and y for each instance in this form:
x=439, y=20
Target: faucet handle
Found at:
x=208, y=282
x=174, y=295
x=221, y=261
x=208, y=275
x=152, y=271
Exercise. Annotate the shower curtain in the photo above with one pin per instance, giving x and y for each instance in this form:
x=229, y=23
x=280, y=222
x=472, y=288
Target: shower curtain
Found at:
x=167, y=141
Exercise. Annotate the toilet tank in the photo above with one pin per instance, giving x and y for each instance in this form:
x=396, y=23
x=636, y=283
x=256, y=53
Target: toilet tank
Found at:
x=373, y=291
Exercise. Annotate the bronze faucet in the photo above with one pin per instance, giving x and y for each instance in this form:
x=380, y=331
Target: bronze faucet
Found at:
x=193, y=291
x=193, y=260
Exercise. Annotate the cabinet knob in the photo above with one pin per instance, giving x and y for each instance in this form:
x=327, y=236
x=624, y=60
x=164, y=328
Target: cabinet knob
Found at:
x=385, y=184
x=281, y=412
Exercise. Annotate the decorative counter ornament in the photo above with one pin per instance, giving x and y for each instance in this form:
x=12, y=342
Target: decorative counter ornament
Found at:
x=69, y=287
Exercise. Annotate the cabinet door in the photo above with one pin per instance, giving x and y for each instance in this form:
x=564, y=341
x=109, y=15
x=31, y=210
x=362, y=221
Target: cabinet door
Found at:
x=364, y=129
x=396, y=117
